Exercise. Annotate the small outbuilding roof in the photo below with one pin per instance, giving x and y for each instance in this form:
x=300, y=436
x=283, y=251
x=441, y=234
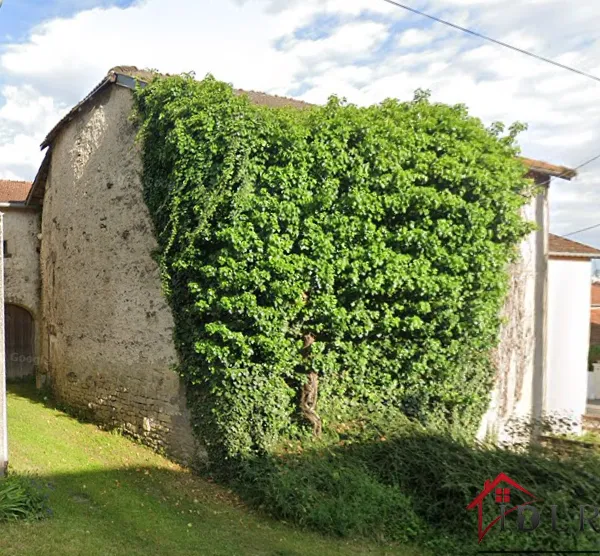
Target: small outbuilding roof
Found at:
x=561, y=248
x=596, y=297
x=548, y=169
x=14, y=191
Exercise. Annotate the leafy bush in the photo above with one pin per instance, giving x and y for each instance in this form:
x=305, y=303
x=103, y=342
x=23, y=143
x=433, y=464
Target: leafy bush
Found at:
x=22, y=498
x=331, y=495
x=593, y=356
x=416, y=485
x=354, y=256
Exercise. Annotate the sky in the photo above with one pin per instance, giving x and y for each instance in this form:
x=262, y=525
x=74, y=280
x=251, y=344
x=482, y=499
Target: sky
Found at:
x=52, y=53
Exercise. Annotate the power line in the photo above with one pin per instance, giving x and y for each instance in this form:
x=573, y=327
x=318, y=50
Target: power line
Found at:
x=569, y=172
x=506, y=45
x=593, y=159
x=595, y=225
x=495, y=41
x=582, y=230
x=522, y=51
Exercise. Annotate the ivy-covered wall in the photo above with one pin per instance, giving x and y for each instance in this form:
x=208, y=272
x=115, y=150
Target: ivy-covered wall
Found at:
x=328, y=264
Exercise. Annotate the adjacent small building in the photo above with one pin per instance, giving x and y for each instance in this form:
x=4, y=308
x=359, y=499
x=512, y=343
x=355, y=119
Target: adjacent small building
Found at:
x=21, y=278
x=594, y=356
x=595, y=314
x=569, y=303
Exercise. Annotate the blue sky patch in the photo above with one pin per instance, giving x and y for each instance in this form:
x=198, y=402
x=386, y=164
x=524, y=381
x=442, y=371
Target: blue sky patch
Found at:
x=320, y=27
x=17, y=17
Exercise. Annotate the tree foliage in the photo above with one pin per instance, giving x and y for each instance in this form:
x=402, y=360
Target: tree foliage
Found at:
x=365, y=248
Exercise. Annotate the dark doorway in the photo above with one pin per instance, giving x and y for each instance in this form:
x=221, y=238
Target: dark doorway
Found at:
x=20, y=342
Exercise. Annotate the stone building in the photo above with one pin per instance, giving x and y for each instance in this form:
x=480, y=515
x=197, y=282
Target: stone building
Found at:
x=104, y=328
x=21, y=278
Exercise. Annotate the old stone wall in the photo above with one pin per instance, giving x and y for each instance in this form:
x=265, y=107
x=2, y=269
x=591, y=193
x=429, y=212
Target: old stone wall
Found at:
x=106, y=328
x=22, y=288
x=21, y=263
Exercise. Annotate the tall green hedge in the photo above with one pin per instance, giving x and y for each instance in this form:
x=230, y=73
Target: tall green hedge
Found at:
x=327, y=263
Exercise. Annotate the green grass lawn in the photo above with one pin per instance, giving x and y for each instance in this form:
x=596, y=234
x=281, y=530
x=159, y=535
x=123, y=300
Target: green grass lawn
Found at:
x=112, y=496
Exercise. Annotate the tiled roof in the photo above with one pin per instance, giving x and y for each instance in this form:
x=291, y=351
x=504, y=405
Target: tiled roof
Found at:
x=595, y=327
x=255, y=97
x=145, y=76
x=16, y=191
x=132, y=71
x=273, y=101
x=549, y=169
x=562, y=247
x=596, y=296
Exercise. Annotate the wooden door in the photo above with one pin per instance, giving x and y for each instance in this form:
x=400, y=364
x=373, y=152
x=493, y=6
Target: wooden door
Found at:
x=20, y=342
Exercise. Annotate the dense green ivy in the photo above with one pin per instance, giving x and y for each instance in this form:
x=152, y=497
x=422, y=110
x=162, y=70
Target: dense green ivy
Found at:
x=383, y=232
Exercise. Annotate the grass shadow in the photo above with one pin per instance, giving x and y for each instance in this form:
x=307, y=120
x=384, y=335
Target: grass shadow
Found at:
x=44, y=397
x=112, y=496
x=145, y=510
x=27, y=389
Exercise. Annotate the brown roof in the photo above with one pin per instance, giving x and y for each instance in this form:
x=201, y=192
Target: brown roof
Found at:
x=142, y=75
x=548, y=169
x=145, y=76
x=596, y=296
x=273, y=101
x=562, y=247
x=595, y=326
x=116, y=74
x=14, y=191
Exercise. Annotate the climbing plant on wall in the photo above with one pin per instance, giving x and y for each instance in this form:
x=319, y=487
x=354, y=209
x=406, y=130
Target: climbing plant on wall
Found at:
x=331, y=262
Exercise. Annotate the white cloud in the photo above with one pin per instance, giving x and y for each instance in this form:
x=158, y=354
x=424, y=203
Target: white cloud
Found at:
x=26, y=108
x=350, y=41
x=21, y=151
x=301, y=11
x=25, y=118
x=414, y=37
x=234, y=42
x=8, y=175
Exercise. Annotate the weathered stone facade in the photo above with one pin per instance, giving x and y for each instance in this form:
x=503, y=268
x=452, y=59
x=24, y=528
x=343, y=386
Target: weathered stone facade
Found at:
x=22, y=263
x=106, y=328
x=22, y=285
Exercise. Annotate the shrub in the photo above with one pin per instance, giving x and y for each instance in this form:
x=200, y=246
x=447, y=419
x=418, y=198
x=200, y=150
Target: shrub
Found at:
x=327, y=263
x=22, y=498
x=593, y=356
x=416, y=485
x=332, y=495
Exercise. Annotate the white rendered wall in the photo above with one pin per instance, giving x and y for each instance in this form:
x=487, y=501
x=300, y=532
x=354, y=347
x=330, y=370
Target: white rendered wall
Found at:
x=593, y=392
x=568, y=337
